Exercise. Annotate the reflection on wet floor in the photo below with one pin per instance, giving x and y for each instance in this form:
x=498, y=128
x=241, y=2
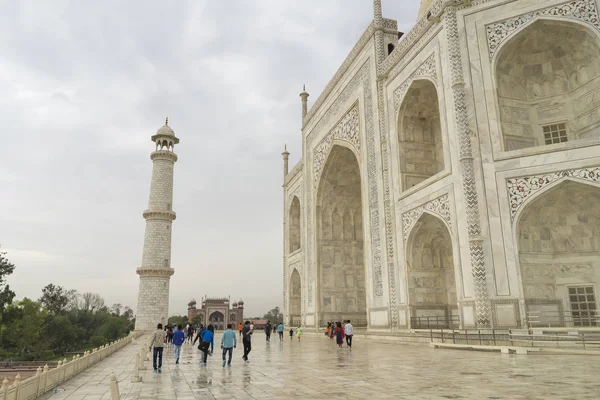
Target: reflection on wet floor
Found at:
x=317, y=369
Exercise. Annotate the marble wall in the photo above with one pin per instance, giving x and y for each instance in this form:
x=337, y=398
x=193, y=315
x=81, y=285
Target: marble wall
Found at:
x=295, y=296
x=431, y=283
x=559, y=246
x=294, y=225
x=420, y=134
x=546, y=75
x=341, y=276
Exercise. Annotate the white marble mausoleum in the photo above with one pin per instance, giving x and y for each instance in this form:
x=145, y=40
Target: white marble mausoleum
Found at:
x=452, y=173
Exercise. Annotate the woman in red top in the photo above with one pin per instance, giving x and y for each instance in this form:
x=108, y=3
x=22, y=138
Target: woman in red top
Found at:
x=339, y=334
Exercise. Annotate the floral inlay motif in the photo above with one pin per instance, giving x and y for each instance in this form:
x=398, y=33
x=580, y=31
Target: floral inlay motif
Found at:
x=439, y=206
x=583, y=10
x=348, y=130
x=519, y=189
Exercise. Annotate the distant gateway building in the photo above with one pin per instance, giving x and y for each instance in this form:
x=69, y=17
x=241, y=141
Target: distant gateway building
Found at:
x=454, y=175
x=216, y=311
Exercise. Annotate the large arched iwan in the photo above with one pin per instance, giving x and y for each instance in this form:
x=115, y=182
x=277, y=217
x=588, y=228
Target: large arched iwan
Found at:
x=340, y=240
x=432, y=293
x=547, y=78
x=558, y=238
x=295, y=298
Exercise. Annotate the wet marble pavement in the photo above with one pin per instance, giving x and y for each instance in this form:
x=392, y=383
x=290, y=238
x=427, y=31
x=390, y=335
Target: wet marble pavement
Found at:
x=317, y=369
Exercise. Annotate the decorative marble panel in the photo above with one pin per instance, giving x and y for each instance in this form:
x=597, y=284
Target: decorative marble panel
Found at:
x=582, y=10
x=347, y=130
x=521, y=188
x=361, y=78
x=439, y=207
x=427, y=69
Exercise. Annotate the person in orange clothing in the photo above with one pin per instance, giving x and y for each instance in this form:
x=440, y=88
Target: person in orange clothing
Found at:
x=240, y=327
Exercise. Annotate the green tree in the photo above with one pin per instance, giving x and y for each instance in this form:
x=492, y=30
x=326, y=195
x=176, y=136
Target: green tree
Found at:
x=6, y=295
x=55, y=298
x=197, y=320
x=178, y=320
x=24, y=333
x=274, y=315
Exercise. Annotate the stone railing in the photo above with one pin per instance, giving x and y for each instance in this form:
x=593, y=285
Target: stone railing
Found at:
x=47, y=379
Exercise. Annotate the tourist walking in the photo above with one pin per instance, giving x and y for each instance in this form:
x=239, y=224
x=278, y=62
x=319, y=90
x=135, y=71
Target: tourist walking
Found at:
x=228, y=343
x=299, y=333
x=158, y=342
x=240, y=327
x=349, y=332
x=190, y=333
x=339, y=334
x=178, y=339
x=169, y=335
x=247, y=340
x=268, y=331
x=291, y=333
x=208, y=336
x=280, y=329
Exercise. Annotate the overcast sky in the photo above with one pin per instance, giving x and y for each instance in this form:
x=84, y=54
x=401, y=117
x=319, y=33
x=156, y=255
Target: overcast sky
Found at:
x=83, y=86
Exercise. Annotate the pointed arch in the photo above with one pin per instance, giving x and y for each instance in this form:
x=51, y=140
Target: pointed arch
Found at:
x=558, y=240
x=431, y=275
x=547, y=77
x=294, y=230
x=420, y=137
x=341, y=278
x=295, y=298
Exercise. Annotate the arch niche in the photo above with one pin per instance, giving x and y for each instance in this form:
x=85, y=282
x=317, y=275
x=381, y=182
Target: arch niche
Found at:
x=340, y=259
x=233, y=320
x=431, y=276
x=558, y=237
x=217, y=319
x=295, y=299
x=547, y=77
x=294, y=225
x=421, y=150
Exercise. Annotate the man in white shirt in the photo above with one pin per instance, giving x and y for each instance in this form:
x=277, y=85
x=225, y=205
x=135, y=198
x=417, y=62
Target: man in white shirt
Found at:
x=348, y=332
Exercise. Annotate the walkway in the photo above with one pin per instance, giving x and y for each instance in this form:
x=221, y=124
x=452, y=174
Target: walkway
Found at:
x=315, y=369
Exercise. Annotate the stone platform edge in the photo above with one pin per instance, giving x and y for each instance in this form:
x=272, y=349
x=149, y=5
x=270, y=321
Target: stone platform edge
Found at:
x=47, y=379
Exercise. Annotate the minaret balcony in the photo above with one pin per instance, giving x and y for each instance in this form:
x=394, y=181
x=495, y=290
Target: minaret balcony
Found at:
x=163, y=155
x=166, y=215
x=155, y=271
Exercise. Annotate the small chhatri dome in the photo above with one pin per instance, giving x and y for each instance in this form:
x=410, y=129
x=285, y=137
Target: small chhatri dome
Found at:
x=166, y=129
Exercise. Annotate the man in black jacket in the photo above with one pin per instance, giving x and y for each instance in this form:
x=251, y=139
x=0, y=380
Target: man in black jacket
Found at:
x=268, y=328
x=246, y=339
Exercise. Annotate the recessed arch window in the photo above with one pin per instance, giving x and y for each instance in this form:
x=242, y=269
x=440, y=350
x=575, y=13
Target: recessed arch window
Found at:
x=548, y=85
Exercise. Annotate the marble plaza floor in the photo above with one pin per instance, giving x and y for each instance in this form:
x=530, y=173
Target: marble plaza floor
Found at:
x=317, y=369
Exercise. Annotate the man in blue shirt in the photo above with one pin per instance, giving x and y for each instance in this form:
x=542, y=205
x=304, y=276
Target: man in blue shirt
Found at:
x=280, y=330
x=178, y=339
x=228, y=343
x=208, y=336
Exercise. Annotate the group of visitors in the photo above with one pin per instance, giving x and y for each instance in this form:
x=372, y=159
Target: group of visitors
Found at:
x=205, y=338
x=335, y=329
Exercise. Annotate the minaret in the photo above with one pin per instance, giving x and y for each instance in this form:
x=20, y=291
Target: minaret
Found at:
x=155, y=271
x=304, y=97
x=286, y=156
